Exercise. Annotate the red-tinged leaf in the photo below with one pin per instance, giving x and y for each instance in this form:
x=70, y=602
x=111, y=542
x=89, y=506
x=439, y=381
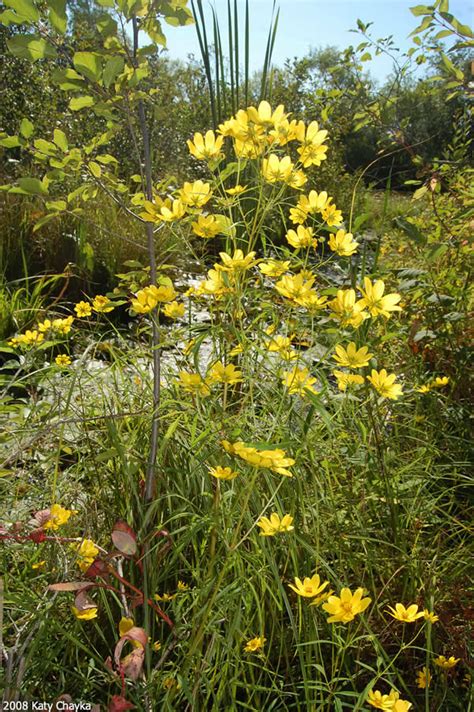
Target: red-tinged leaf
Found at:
x=38, y=535
x=40, y=518
x=97, y=568
x=124, y=538
x=70, y=586
x=137, y=601
x=120, y=704
x=132, y=664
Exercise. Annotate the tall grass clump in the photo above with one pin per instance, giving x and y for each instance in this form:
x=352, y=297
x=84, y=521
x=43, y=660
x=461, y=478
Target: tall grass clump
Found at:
x=304, y=543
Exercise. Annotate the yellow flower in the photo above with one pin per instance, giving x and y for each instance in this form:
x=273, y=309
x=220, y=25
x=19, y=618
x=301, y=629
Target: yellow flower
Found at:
x=273, y=525
x=352, y=357
x=165, y=597
x=14, y=342
x=423, y=389
x=284, y=132
x=375, y=302
x=63, y=360
x=309, y=587
x=385, y=384
x=214, y=285
x=125, y=625
x=102, y=304
x=446, y=663
x=297, y=179
x=146, y=299
x=345, y=607
x=193, y=383
x=174, y=310
x=275, y=169
x=208, y=226
x=224, y=374
x=302, y=237
x=83, y=309
x=264, y=116
x=85, y=615
x=255, y=645
x=440, y=382
x=312, y=152
x=237, y=190
x=58, y=516
x=299, y=380
x=170, y=683
x=156, y=646
x=196, y=194
x=38, y=564
x=381, y=702
x=347, y=379
x=167, y=210
x=274, y=268
x=282, y=346
x=405, y=615
x=44, y=326
x=30, y=337
x=205, y=147
x=345, y=308
x=343, y=243
x=331, y=215
x=296, y=288
x=86, y=553
x=63, y=326
x=423, y=678
x=238, y=261
x=182, y=586
x=430, y=616
x=402, y=706
x=223, y=473
x=275, y=460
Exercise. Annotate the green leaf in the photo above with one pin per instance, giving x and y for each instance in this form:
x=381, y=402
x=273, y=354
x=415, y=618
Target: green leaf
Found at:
x=106, y=158
x=112, y=69
x=26, y=128
x=420, y=10
x=68, y=79
x=46, y=147
x=30, y=186
x=420, y=192
x=81, y=102
x=60, y=140
x=25, y=9
x=436, y=252
x=106, y=25
x=88, y=64
x=56, y=205
x=31, y=47
x=95, y=169
x=10, y=142
x=410, y=231
x=57, y=15
x=365, y=57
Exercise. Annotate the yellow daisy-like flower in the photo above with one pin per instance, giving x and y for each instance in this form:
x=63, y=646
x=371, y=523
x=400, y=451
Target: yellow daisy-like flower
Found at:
x=208, y=226
x=182, y=586
x=83, y=309
x=345, y=607
x=298, y=381
x=193, y=383
x=430, y=616
x=344, y=380
x=405, y=615
x=423, y=678
x=275, y=460
x=274, y=524
x=309, y=587
x=347, y=310
x=238, y=261
x=206, y=147
x=446, y=663
x=38, y=564
x=167, y=210
x=63, y=326
x=219, y=373
x=343, y=243
x=174, y=310
x=58, y=516
x=276, y=169
x=102, y=304
x=374, y=300
x=31, y=337
x=255, y=645
x=223, y=473
x=352, y=357
x=85, y=615
x=264, y=116
x=440, y=382
x=86, y=553
x=274, y=268
x=402, y=706
x=237, y=190
x=63, y=360
x=312, y=151
x=282, y=346
x=146, y=299
x=381, y=702
x=331, y=215
x=195, y=195
x=301, y=237
x=385, y=384
x=215, y=285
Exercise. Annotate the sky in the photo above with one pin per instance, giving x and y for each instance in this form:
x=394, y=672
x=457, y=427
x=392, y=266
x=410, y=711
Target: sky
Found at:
x=304, y=24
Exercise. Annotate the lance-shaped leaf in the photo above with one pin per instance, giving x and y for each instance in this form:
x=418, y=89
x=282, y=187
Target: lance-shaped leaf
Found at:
x=81, y=102
x=124, y=538
x=70, y=586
